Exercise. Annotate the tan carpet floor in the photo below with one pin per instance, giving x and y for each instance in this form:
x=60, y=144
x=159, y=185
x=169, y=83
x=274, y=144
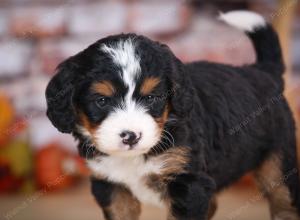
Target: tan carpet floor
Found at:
x=78, y=204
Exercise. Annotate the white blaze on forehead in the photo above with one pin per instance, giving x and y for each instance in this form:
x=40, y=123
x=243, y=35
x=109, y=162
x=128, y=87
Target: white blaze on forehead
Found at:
x=123, y=54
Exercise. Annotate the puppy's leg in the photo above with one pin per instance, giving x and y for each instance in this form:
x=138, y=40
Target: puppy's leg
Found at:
x=189, y=197
x=276, y=182
x=116, y=201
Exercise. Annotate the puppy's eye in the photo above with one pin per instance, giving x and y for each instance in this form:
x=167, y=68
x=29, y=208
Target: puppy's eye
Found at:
x=101, y=102
x=149, y=99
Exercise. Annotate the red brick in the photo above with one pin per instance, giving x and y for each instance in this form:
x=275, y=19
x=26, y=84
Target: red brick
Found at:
x=42, y=132
x=210, y=40
x=101, y=18
x=158, y=17
x=38, y=21
x=3, y=22
x=51, y=52
x=14, y=57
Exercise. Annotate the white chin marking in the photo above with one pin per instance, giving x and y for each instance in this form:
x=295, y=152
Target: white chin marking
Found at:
x=243, y=20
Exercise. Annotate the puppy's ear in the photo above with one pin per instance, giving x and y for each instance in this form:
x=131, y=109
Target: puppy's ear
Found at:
x=182, y=91
x=59, y=95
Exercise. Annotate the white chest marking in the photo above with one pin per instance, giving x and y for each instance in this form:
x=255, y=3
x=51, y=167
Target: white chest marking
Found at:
x=131, y=172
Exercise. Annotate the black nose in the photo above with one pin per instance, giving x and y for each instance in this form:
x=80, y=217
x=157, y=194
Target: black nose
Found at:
x=130, y=137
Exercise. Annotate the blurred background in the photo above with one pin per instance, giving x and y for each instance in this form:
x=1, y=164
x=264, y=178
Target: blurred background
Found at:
x=41, y=176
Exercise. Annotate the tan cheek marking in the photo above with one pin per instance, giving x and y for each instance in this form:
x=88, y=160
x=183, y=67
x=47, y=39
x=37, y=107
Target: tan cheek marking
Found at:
x=87, y=124
x=148, y=85
x=162, y=120
x=104, y=88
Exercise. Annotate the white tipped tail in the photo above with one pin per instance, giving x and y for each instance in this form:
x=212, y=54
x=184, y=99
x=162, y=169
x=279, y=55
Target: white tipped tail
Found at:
x=264, y=38
x=243, y=20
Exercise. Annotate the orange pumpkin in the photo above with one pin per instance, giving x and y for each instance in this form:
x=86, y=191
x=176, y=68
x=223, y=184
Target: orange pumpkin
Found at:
x=56, y=168
x=6, y=119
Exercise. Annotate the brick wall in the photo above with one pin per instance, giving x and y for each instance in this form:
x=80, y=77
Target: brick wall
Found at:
x=35, y=36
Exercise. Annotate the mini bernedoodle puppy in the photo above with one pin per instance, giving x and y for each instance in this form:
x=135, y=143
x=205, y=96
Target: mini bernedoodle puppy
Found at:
x=156, y=130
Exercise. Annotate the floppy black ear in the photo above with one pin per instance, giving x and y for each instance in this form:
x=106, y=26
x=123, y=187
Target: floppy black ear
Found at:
x=59, y=95
x=182, y=98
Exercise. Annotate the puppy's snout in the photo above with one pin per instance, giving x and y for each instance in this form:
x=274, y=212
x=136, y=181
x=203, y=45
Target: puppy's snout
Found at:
x=130, y=137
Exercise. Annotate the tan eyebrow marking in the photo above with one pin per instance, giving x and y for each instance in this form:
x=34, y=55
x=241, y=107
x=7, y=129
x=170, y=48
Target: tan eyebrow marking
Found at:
x=149, y=84
x=104, y=88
